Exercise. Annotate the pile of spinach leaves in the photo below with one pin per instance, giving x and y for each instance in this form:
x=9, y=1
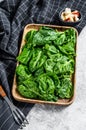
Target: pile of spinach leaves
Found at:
x=46, y=64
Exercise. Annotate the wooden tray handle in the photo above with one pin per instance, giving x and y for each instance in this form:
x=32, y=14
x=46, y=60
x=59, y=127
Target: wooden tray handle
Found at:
x=2, y=92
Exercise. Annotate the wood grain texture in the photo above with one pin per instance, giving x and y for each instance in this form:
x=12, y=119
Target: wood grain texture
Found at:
x=20, y=98
x=2, y=92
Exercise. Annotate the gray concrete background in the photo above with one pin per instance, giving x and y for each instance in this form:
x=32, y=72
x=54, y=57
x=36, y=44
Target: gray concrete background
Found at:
x=72, y=117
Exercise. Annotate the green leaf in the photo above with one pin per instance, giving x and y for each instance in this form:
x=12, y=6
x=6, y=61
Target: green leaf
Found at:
x=28, y=89
x=25, y=56
x=37, y=60
x=66, y=88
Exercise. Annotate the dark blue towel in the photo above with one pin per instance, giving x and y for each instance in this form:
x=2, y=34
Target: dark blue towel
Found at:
x=14, y=15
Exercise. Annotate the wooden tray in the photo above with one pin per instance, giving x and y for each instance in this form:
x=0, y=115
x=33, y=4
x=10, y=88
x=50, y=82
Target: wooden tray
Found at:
x=16, y=95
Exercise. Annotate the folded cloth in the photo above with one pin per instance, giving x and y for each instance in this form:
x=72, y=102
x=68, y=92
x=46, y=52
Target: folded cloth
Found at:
x=14, y=15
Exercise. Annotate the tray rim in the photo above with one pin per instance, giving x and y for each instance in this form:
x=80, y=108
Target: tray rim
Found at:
x=20, y=98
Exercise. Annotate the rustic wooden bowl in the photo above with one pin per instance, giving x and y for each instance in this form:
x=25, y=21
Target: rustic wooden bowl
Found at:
x=15, y=93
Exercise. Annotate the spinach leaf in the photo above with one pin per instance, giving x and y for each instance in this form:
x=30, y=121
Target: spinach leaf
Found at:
x=48, y=33
x=49, y=65
x=66, y=42
x=39, y=71
x=37, y=60
x=22, y=70
x=60, y=39
x=29, y=36
x=28, y=89
x=46, y=87
x=22, y=73
x=68, y=49
x=64, y=67
x=43, y=36
x=66, y=88
x=50, y=48
x=25, y=56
